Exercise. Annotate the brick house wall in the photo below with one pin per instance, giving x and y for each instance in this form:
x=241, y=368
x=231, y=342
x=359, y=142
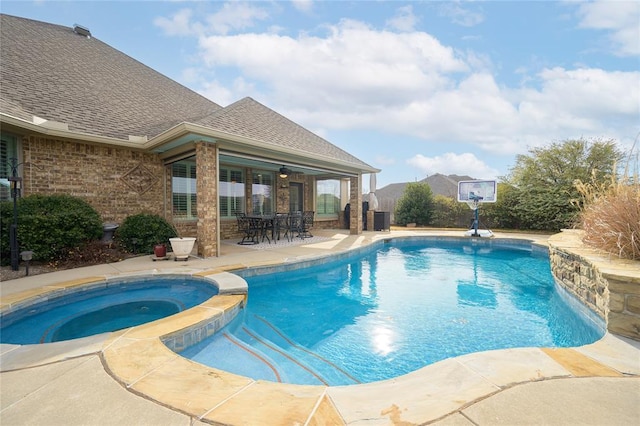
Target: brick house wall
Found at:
x=117, y=182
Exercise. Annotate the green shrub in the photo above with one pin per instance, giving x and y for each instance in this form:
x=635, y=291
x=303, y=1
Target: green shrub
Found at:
x=49, y=225
x=416, y=205
x=449, y=213
x=147, y=229
x=505, y=213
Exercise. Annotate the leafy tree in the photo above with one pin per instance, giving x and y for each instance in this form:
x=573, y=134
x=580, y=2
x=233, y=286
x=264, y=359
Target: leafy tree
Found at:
x=416, y=205
x=504, y=212
x=545, y=195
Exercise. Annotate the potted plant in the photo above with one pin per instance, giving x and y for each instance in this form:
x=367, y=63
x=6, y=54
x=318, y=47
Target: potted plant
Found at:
x=182, y=246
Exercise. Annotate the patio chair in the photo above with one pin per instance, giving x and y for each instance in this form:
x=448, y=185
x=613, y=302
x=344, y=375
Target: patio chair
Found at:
x=295, y=225
x=249, y=228
x=307, y=224
x=262, y=225
x=281, y=223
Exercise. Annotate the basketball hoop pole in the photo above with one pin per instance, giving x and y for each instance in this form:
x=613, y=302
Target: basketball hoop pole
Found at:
x=476, y=219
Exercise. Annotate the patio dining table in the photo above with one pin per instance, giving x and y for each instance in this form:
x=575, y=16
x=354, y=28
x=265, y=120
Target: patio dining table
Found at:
x=270, y=226
x=266, y=223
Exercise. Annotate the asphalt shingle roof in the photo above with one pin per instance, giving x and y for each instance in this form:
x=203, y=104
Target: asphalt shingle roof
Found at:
x=51, y=72
x=440, y=185
x=251, y=119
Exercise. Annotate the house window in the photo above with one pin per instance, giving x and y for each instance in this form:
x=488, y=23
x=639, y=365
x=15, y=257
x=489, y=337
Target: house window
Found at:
x=231, y=189
x=8, y=150
x=262, y=192
x=183, y=184
x=327, y=197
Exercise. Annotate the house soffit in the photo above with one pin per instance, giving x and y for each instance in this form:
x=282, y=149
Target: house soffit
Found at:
x=249, y=152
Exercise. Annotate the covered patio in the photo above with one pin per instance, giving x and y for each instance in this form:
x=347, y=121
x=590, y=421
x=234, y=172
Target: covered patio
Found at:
x=267, y=166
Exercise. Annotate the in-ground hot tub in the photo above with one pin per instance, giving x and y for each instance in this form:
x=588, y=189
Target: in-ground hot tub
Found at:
x=102, y=306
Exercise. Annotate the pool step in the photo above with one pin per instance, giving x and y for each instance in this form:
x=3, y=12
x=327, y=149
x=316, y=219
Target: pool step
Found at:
x=298, y=364
x=259, y=350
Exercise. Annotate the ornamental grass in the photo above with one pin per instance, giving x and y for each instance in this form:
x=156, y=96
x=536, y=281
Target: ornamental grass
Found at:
x=610, y=215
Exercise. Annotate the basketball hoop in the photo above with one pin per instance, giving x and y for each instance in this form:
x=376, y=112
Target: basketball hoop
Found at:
x=473, y=204
x=472, y=193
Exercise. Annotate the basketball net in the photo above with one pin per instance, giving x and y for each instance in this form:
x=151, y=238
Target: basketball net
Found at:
x=473, y=204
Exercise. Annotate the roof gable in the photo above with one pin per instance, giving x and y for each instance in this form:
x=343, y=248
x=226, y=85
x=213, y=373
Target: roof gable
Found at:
x=251, y=119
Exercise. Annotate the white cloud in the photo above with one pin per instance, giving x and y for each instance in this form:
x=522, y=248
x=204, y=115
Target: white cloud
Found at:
x=463, y=16
x=465, y=164
x=303, y=5
x=620, y=18
x=404, y=20
x=179, y=24
x=353, y=66
x=231, y=16
x=409, y=84
x=235, y=16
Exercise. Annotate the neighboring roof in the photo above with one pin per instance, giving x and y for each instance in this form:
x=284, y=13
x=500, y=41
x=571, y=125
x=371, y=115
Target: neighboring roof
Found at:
x=51, y=72
x=440, y=185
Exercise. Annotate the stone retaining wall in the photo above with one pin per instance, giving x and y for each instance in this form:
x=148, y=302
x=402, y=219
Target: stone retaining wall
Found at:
x=607, y=285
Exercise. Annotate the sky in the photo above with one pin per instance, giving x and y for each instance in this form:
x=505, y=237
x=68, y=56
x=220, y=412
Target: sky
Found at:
x=413, y=88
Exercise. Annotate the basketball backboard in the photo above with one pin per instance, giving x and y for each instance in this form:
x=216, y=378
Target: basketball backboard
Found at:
x=484, y=191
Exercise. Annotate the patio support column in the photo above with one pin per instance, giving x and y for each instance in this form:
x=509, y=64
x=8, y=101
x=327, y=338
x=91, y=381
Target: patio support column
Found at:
x=355, y=200
x=207, y=196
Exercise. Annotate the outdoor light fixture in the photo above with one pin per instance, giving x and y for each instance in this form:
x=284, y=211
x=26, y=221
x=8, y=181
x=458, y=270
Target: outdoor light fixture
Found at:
x=15, y=181
x=284, y=172
x=27, y=255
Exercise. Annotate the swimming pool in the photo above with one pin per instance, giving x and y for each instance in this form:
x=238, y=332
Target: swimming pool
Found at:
x=103, y=306
x=395, y=308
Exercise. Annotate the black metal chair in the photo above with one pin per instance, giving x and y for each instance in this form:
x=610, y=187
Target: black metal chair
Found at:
x=295, y=225
x=281, y=224
x=249, y=228
x=307, y=224
x=264, y=226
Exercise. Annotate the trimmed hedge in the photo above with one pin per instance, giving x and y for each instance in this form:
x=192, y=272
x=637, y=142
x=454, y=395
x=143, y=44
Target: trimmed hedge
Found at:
x=49, y=225
x=147, y=229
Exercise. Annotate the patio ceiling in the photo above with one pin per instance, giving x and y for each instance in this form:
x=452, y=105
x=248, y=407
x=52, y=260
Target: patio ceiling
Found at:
x=241, y=160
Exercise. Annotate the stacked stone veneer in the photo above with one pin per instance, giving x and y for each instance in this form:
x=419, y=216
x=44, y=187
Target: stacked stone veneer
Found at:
x=607, y=285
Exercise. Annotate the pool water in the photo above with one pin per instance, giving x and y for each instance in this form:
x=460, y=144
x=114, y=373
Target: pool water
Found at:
x=394, y=310
x=110, y=306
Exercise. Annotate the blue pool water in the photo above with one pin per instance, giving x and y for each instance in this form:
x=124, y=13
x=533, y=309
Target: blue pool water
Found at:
x=395, y=309
x=108, y=306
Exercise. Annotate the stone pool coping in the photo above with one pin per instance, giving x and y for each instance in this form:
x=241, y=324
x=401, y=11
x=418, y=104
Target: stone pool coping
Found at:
x=139, y=360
